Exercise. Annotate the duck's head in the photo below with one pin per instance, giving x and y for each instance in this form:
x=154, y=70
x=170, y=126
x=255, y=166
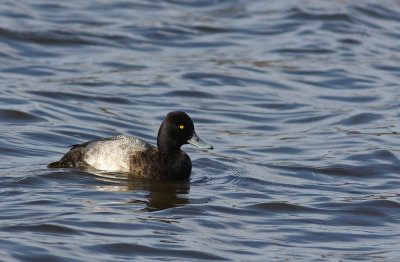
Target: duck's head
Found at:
x=176, y=130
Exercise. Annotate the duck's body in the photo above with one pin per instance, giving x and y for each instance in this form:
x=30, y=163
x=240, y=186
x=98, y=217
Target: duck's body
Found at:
x=136, y=156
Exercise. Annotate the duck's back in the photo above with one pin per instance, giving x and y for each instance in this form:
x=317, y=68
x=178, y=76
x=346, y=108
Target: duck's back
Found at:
x=111, y=154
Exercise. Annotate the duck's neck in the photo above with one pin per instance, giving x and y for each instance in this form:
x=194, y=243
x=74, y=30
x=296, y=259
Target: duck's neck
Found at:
x=166, y=144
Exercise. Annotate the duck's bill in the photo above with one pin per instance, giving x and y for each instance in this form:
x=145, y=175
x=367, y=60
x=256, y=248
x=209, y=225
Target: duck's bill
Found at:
x=196, y=141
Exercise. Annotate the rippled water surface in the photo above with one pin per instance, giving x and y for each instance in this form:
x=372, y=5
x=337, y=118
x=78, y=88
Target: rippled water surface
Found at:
x=300, y=100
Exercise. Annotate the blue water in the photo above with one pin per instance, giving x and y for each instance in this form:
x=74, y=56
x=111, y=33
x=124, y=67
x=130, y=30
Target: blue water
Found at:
x=300, y=100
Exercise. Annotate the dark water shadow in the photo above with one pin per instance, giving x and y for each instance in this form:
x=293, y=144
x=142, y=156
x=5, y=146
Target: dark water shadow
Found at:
x=156, y=195
x=161, y=194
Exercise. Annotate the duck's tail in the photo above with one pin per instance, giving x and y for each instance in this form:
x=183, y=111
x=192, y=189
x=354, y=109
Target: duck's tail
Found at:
x=73, y=158
x=57, y=164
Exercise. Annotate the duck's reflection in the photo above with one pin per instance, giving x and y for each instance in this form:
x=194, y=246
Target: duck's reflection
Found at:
x=161, y=194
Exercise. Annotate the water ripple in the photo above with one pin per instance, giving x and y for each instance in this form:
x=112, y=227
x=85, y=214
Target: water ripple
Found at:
x=298, y=98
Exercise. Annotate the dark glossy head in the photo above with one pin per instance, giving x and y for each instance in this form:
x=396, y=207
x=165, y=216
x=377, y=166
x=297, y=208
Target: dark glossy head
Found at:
x=176, y=130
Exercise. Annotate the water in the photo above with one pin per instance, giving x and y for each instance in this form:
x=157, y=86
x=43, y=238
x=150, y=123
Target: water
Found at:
x=300, y=100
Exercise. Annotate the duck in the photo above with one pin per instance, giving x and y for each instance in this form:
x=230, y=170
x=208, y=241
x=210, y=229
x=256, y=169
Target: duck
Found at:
x=132, y=155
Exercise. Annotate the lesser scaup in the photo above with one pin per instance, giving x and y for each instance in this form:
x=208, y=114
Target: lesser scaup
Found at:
x=136, y=156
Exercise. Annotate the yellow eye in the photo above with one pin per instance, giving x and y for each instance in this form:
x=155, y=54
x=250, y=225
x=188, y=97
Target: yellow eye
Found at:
x=181, y=126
